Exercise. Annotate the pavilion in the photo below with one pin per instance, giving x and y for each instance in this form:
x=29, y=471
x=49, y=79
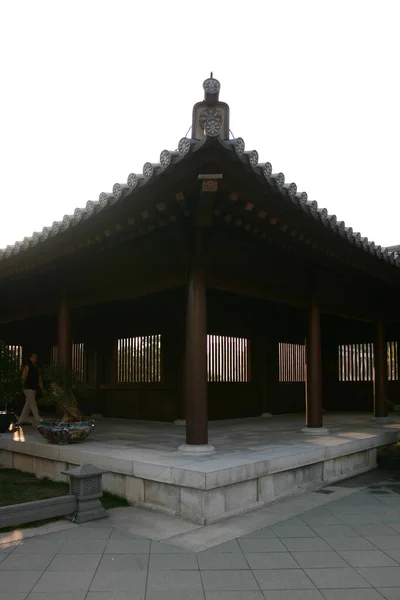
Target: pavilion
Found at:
x=199, y=290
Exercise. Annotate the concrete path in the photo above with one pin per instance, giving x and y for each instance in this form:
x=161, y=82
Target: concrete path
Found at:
x=341, y=543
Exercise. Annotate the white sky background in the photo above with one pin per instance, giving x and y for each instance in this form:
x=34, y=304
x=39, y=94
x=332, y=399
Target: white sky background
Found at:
x=91, y=90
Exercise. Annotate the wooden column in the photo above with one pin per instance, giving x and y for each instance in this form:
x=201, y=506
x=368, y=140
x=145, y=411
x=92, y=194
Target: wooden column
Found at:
x=314, y=420
x=270, y=375
x=195, y=372
x=196, y=359
x=381, y=371
x=64, y=340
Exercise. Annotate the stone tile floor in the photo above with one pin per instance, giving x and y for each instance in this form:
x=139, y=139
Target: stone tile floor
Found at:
x=341, y=543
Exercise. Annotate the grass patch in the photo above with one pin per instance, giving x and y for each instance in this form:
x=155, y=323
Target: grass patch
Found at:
x=17, y=487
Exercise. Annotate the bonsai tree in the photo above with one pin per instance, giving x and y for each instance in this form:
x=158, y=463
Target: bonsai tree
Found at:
x=10, y=376
x=63, y=387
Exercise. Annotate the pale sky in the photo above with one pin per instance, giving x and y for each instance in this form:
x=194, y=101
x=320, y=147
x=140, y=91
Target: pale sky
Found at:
x=91, y=90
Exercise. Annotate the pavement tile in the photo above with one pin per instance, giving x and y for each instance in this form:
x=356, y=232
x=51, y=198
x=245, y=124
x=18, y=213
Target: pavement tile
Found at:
x=13, y=582
x=395, y=526
x=261, y=545
x=164, y=548
x=368, y=558
x=306, y=544
x=80, y=533
x=381, y=576
x=88, y=546
x=320, y=517
x=353, y=594
x=131, y=595
x=39, y=546
x=390, y=593
x=271, y=560
x=374, y=530
x=124, y=562
x=293, y=595
x=128, y=547
x=389, y=542
x=74, y=562
x=222, y=562
x=174, y=581
x=317, y=560
x=391, y=501
x=363, y=500
x=185, y=595
x=291, y=531
x=361, y=519
x=336, y=578
x=62, y=581
x=231, y=547
x=343, y=543
x=117, y=534
x=56, y=596
x=26, y=562
x=223, y=580
x=10, y=596
x=266, y=532
x=175, y=562
x=6, y=548
x=326, y=531
x=283, y=579
x=395, y=554
x=245, y=595
x=118, y=581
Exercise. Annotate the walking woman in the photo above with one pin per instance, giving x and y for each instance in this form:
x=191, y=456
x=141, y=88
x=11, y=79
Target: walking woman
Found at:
x=31, y=382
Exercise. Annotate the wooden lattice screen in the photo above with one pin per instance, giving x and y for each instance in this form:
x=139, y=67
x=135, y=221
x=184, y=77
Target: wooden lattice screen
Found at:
x=356, y=362
x=228, y=359
x=16, y=351
x=292, y=362
x=393, y=361
x=78, y=359
x=139, y=359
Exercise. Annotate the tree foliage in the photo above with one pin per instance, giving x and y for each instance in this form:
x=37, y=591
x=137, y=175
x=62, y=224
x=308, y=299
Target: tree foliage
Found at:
x=63, y=385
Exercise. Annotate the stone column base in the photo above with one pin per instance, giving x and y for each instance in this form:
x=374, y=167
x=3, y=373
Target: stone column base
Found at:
x=315, y=430
x=197, y=450
x=266, y=415
x=381, y=420
x=180, y=422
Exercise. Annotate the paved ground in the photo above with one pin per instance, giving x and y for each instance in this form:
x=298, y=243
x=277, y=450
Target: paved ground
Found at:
x=341, y=543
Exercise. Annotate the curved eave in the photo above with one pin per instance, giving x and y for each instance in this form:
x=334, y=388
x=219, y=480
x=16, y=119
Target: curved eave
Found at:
x=168, y=161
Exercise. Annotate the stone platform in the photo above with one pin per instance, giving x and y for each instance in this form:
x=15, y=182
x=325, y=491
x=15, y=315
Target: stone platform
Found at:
x=257, y=461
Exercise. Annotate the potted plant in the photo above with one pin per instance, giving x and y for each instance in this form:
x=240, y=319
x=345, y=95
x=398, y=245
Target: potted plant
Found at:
x=63, y=387
x=10, y=385
x=389, y=456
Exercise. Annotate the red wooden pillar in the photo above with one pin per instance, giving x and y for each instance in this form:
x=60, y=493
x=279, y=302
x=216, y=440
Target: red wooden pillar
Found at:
x=64, y=340
x=314, y=419
x=270, y=374
x=381, y=372
x=195, y=371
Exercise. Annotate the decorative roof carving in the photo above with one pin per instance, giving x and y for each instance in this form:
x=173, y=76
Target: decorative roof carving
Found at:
x=210, y=117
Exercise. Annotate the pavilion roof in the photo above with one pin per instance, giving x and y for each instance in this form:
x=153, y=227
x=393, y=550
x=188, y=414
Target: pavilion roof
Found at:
x=235, y=148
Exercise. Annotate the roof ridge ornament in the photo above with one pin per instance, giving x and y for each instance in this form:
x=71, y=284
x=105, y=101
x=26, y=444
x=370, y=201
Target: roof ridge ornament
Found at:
x=210, y=117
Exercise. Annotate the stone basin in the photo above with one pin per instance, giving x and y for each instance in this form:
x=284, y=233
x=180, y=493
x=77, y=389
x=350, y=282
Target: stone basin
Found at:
x=56, y=432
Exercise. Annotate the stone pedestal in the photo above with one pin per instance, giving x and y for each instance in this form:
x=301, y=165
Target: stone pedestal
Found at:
x=85, y=484
x=197, y=449
x=315, y=430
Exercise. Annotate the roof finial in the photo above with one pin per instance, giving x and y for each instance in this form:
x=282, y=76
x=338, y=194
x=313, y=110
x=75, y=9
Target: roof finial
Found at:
x=211, y=75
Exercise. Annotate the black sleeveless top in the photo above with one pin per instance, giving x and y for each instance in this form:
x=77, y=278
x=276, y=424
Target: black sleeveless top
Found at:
x=32, y=381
